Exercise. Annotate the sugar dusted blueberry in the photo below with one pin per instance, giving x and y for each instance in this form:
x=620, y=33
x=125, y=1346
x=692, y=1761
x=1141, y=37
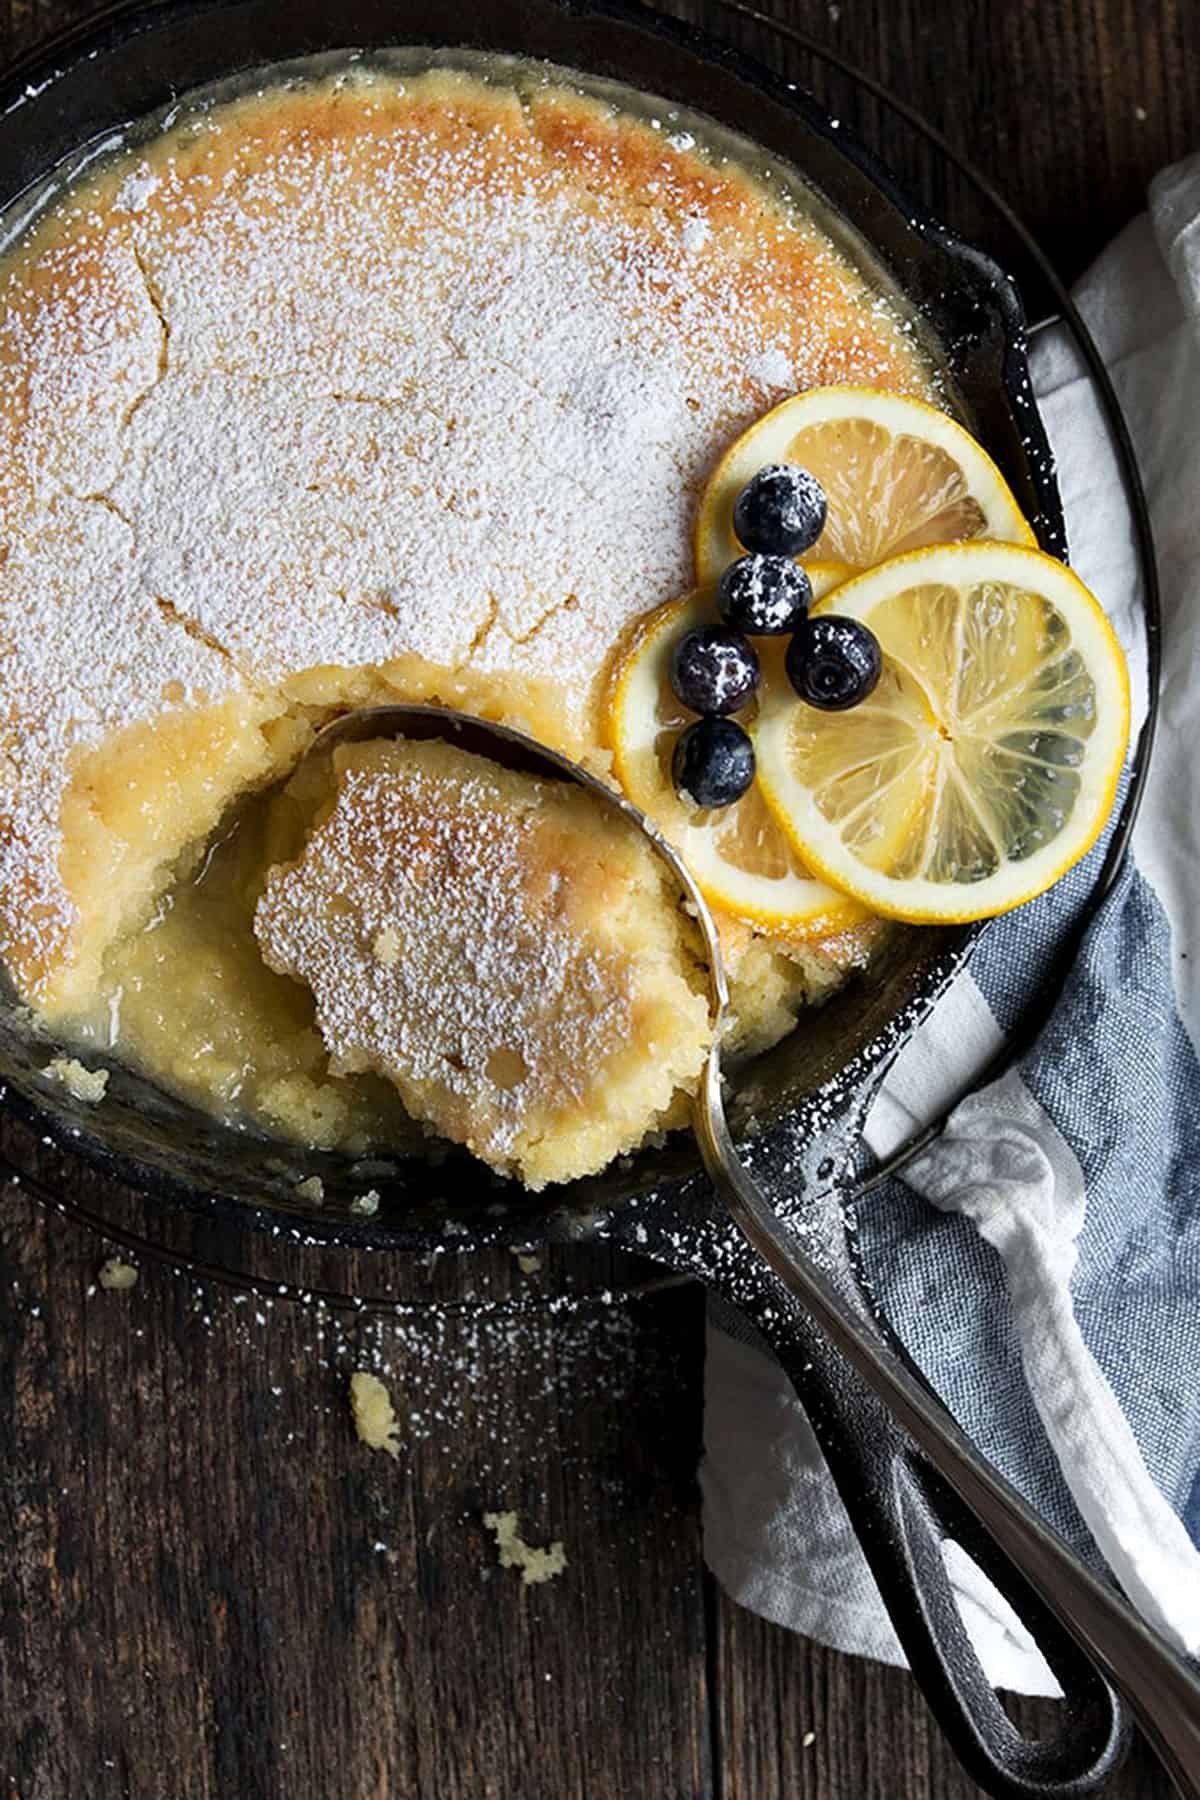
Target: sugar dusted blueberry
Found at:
x=764, y=595
x=714, y=671
x=780, y=511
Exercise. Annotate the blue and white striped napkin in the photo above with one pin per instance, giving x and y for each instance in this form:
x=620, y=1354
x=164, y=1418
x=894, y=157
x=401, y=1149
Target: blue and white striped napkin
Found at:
x=1042, y=1262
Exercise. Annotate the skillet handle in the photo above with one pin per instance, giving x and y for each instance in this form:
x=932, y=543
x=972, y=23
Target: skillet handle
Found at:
x=903, y=1512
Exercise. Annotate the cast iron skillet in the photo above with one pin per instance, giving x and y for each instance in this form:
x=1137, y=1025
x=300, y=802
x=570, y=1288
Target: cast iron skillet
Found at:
x=800, y=1108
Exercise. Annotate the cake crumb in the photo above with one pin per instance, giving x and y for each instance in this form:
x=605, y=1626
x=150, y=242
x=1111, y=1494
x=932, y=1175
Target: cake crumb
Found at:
x=88, y=1085
x=527, y=1261
x=536, y=1565
x=387, y=947
x=116, y=1276
x=312, y=1188
x=367, y=1204
x=374, y=1415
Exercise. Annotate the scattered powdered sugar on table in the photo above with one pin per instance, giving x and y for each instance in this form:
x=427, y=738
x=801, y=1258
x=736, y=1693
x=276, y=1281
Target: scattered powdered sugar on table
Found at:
x=449, y=1369
x=479, y=1383
x=432, y=384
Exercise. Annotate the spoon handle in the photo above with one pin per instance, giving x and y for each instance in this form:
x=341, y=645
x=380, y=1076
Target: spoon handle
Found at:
x=1158, y=1684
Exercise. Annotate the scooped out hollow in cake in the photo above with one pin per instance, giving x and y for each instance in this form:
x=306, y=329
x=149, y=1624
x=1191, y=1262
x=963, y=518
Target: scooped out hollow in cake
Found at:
x=506, y=951
x=334, y=384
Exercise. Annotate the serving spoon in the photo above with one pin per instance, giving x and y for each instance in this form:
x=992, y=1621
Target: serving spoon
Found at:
x=871, y=1397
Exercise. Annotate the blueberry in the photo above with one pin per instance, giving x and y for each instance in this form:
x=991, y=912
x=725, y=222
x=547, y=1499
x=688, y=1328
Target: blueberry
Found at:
x=781, y=511
x=764, y=594
x=713, y=670
x=713, y=762
x=833, y=662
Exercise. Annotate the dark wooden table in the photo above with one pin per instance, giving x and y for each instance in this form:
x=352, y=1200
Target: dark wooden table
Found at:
x=209, y=1588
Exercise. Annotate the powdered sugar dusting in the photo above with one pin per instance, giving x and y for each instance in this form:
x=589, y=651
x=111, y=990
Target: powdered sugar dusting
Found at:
x=695, y=234
x=349, y=377
x=136, y=188
x=772, y=368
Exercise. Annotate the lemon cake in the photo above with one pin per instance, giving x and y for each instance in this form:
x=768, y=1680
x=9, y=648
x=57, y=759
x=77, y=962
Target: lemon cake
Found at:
x=358, y=388
x=503, y=949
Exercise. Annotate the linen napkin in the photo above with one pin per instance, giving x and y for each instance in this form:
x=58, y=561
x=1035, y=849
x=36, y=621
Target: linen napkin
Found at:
x=1042, y=1260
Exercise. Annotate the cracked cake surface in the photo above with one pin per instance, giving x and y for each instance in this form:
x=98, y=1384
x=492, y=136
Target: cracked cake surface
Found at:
x=365, y=388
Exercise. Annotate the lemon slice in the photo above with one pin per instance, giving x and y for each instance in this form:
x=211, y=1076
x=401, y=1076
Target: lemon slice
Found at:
x=740, y=859
x=985, y=762
x=897, y=474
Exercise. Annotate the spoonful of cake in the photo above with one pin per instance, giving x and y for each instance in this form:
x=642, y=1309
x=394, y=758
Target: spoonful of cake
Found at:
x=510, y=954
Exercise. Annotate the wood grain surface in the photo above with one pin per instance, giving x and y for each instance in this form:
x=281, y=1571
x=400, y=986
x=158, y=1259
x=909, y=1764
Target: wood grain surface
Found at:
x=209, y=1590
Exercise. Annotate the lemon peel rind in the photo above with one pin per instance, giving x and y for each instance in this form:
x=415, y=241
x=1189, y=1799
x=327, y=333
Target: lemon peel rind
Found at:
x=714, y=542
